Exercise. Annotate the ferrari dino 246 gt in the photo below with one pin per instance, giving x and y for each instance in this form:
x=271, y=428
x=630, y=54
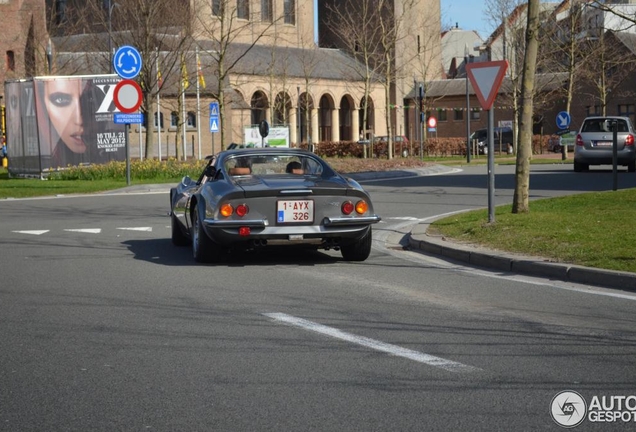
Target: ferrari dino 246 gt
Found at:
x=257, y=198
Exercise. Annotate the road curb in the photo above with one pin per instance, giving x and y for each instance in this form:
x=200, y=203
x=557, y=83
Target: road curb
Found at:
x=532, y=266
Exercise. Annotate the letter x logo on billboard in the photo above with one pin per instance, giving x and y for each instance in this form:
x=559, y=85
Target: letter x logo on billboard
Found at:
x=486, y=79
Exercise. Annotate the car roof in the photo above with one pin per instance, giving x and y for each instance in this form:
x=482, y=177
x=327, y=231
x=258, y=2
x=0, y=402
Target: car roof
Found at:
x=605, y=117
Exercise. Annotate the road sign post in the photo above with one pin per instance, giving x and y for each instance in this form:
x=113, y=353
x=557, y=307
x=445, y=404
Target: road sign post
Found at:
x=215, y=122
x=486, y=79
x=563, y=120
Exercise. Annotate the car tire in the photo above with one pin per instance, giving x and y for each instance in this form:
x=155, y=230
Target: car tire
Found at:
x=203, y=249
x=178, y=238
x=631, y=167
x=579, y=167
x=358, y=250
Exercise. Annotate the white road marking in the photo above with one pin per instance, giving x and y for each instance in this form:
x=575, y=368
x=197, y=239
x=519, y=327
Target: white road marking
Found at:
x=395, y=350
x=32, y=232
x=147, y=229
x=86, y=230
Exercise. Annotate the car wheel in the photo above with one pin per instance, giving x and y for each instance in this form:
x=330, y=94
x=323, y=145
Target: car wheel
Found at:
x=631, y=167
x=578, y=167
x=358, y=250
x=484, y=150
x=178, y=238
x=203, y=249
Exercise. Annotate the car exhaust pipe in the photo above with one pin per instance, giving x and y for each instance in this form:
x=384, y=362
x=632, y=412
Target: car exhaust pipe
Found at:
x=331, y=243
x=259, y=243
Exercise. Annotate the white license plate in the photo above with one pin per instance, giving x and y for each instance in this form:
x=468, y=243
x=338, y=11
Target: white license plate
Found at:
x=603, y=143
x=294, y=211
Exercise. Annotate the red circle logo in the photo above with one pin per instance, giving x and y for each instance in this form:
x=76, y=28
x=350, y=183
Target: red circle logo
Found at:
x=432, y=122
x=127, y=96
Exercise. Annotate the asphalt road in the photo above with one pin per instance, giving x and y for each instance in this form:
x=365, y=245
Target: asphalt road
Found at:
x=104, y=325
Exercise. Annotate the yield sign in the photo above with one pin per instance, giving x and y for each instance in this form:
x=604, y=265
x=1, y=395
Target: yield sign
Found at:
x=486, y=78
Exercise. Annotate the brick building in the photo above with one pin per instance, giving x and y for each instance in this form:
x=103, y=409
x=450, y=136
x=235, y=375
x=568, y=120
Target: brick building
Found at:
x=24, y=40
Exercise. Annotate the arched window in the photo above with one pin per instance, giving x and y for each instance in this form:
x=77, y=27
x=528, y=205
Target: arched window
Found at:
x=10, y=61
x=191, y=121
x=174, y=119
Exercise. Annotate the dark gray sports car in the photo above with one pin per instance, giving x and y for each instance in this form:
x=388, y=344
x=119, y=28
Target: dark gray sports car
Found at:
x=256, y=198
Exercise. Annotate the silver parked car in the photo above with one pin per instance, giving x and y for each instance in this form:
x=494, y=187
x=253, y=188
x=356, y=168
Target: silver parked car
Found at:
x=258, y=198
x=595, y=139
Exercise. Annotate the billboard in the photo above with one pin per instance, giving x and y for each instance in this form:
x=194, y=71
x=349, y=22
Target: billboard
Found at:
x=55, y=122
x=278, y=137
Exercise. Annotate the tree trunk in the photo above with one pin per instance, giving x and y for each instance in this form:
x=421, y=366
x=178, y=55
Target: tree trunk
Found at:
x=522, y=173
x=149, y=107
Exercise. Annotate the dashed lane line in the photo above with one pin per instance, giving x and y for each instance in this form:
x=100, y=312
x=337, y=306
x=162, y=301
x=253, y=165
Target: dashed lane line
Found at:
x=442, y=363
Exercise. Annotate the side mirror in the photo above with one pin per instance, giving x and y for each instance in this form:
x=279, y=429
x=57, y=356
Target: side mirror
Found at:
x=210, y=171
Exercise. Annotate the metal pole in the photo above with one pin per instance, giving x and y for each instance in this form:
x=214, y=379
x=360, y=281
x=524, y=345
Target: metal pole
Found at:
x=422, y=120
x=128, y=155
x=110, y=34
x=467, y=119
x=198, y=107
x=416, y=112
x=614, y=156
x=298, y=127
x=491, y=166
x=141, y=155
x=185, y=123
x=158, y=106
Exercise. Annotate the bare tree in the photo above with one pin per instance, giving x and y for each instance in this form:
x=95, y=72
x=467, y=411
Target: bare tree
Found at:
x=357, y=25
x=159, y=29
x=520, y=202
x=231, y=22
x=308, y=61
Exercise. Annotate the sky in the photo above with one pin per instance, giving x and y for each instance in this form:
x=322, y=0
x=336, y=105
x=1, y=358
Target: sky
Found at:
x=469, y=14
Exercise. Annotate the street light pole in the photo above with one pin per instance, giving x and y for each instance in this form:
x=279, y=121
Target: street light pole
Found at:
x=466, y=58
x=49, y=55
x=110, y=33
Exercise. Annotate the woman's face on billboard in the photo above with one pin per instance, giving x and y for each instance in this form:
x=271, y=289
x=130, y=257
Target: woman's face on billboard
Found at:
x=62, y=99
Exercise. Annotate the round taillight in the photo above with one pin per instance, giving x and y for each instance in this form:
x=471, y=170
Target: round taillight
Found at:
x=361, y=207
x=347, y=207
x=244, y=231
x=226, y=210
x=242, y=210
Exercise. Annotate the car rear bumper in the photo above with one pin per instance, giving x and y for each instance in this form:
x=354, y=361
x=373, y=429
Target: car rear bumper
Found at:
x=226, y=232
x=604, y=157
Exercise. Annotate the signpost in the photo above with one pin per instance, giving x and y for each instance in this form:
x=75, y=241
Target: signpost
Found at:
x=127, y=62
x=432, y=124
x=127, y=96
x=215, y=121
x=563, y=120
x=486, y=79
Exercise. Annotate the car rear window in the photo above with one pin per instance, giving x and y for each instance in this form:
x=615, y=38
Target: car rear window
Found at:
x=604, y=125
x=273, y=164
